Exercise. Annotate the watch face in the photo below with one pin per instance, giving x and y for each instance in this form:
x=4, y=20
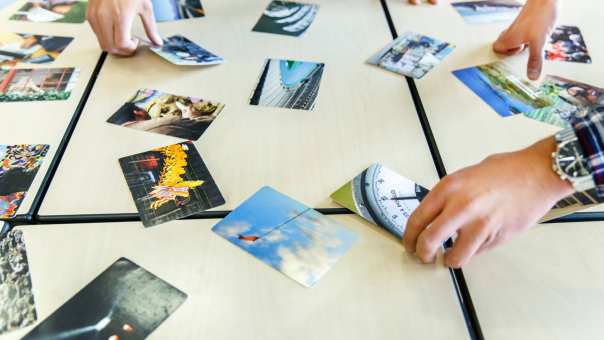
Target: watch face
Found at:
x=570, y=160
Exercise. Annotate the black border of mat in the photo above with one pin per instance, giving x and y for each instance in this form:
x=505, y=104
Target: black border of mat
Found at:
x=457, y=276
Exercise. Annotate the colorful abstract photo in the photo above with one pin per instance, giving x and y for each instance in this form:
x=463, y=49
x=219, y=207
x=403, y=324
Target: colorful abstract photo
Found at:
x=170, y=10
x=286, y=18
x=487, y=11
x=382, y=197
x=288, y=84
x=169, y=183
x=506, y=93
x=18, y=309
x=287, y=235
x=167, y=114
x=125, y=302
x=566, y=44
x=181, y=51
x=19, y=165
x=65, y=11
x=570, y=99
x=30, y=48
x=40, y=84
x=412, y=55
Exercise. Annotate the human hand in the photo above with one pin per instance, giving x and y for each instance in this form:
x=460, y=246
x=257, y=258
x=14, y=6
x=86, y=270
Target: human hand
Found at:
x=111, y=21
x=531, y=29
x=416, y=2
x=486, y=204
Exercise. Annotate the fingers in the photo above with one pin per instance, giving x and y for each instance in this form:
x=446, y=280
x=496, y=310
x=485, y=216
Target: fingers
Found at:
x=509, y=43
x=427, y=211
x=535, y=63
x=125, y=45
x=416, y=2
x=149, y=23
x=468, y=241
x=433, y=2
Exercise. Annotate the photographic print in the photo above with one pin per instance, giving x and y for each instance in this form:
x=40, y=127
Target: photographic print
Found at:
x=286, y=18
x=382, y=197
x=19, y=165
x=288, y=84
x=40, y=84
x=487, y=11
x=506, y=93
x=65, y=11
x=181, y=51
x=125, y=302
x=566, y=44
x=30, y=48
x=573, y=203
x=17, y=307
x=412, y=55
x=287, y=235
x=570, y=99
x=170, y=10
x=167, y=114
x=169, y=183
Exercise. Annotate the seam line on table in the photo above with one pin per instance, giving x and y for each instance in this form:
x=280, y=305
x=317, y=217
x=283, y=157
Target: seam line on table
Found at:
x=457, y=276
x=32, y=214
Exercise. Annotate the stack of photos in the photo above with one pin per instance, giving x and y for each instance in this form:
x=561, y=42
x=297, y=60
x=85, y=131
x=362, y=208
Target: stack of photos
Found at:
x=570, y=99
x=412, y=55
x=30, y=48
x=181, y=51
x=124, y=302
x=40, y=84
x=566, y=44
x=167, y=114
x=382, y=197
x=573, y=203
x=286, y=18
x=66, y=11
x=19, y=165
x=170, y=10
x=17, y=308
x=288, y=84
x=287, y=235
x=487, y=11
x=169, y=183
x=506, y=93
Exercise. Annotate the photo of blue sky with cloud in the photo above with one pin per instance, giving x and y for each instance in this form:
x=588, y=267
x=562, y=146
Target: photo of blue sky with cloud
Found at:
x=292, y=238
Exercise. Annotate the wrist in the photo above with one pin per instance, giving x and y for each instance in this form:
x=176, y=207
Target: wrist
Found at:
x=548, y=180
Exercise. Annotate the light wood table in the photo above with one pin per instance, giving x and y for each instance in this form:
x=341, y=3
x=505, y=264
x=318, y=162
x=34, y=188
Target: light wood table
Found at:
x=547, y=284
x=375, y=291
x=45, y=122
x=465, y=128
x=363, y=115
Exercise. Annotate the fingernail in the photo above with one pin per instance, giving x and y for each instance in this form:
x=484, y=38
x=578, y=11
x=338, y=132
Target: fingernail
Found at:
x=533, y=74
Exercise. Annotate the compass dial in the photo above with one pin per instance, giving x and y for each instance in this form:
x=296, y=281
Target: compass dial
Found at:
x=386, y=198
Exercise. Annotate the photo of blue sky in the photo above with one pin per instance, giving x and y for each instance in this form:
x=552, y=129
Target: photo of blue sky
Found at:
x=487, y=11
x=287, y=235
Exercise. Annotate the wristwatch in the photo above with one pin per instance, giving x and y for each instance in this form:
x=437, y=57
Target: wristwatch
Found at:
x=570, y=163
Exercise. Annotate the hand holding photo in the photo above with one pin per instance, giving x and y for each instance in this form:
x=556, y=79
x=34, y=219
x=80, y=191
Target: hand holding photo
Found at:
x=412, y=55
x=17, y=305
x=488, y=11
x=170, y=10
x=169, y=183
x=382, y=197
x=125, y=302
x=288, y=84
x=570, y=99
x=65, y=11
x=566, y=44
x=30, y=49
x=286, y=18
x=287, y=235
x=167, y=114
x=19, y=165
x=40, y=84
x=506, y=93
x=181, y=51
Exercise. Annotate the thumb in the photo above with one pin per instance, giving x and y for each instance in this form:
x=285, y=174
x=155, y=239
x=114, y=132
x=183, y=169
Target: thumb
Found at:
x=535, y=62
x=509, y=42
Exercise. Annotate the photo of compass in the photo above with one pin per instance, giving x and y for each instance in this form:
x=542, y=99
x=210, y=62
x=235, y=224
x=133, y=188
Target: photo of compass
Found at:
x=382, y=197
